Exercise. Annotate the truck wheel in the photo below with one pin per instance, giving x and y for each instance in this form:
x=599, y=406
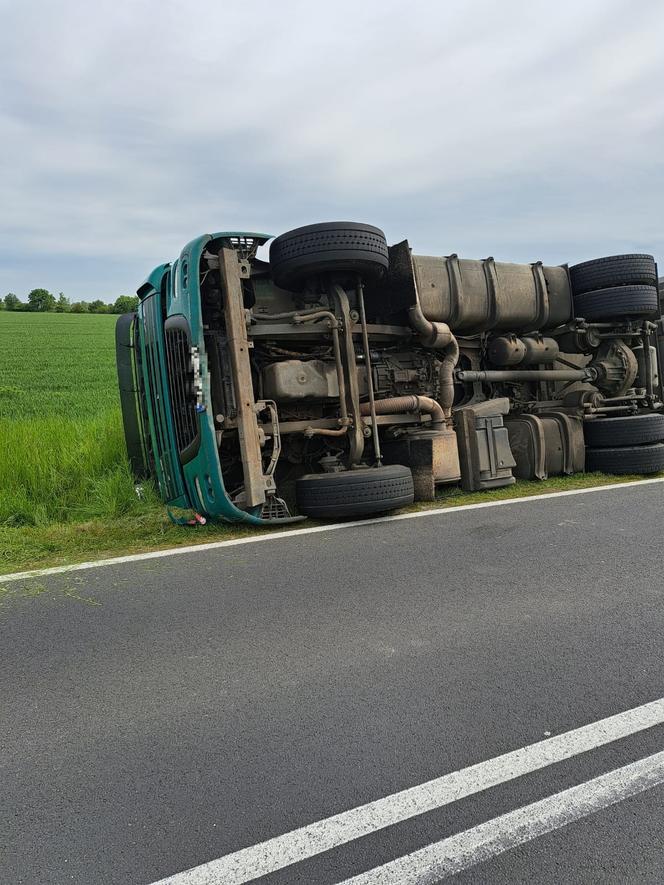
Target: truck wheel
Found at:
x=336, y=246
x=628, y=430
x=629, y=459
x=615, y=270
x=618, y=301
x=355, y=492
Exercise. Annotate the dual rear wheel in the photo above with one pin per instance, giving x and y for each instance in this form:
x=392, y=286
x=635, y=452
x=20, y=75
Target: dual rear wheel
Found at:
x=619, y=286
x=627, y=444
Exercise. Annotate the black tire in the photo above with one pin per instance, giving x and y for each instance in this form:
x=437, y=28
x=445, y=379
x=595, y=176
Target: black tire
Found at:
x=354, y=492
x=618, y=301
x=340, y=247
x=615, y=270
x=628, y=459
x=628, y=430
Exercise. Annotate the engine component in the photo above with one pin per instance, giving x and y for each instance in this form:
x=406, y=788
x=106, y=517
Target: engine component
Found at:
x=539, y=350
x=508, y=350
x=579, y=340
x=583, y=397
x=548, y=444
x=399, y=405
x=403, y=372
x=290, y=380
x=615, y=367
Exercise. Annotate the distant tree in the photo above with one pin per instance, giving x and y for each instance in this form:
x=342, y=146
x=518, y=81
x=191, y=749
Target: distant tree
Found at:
x=41, y=299
x=80, y=307
x=97, y=306
x=125, y=304
x=62, y=305
x=2, y=304
x=12, y=302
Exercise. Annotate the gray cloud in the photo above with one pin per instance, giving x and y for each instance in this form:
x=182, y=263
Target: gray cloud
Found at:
x=516, y=129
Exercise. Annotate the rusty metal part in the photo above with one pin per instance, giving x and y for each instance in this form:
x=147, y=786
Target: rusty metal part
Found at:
x=477, y=296
x=369, y=374
x=438, y=336
x=546, y=444
x=352, y=388
x=432, y=334
x=298, y=317
x=256, y=484
x=271, y=407
x=285, y=315
x=602, y=409
x=648, y=361
x=509, y=350
x=506, y=350
x=588, y=374
x=399, y=404
x=616, y=367
x=333, y=325
x=325, y=431
x=296, y=427
x=284, y=329
x=446, y=376
x=296, y=381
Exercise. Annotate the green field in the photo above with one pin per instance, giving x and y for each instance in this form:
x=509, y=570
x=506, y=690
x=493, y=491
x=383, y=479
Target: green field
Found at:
x=60, y=431
x=53, y=363
x=66, y=492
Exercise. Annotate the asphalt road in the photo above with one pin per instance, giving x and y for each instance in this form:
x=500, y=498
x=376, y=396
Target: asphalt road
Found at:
x=161, y=714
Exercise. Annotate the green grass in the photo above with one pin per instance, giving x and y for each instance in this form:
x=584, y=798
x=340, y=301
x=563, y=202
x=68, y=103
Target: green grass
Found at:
x=66, y=492
x=61, y=437
x=57, y=365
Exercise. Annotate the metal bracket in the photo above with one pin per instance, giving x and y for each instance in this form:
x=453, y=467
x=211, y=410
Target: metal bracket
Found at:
x=256, y=484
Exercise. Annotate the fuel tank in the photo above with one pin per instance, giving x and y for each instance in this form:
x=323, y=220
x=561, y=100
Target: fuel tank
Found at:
x=475, y=296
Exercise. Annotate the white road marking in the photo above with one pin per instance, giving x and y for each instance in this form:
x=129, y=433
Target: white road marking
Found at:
x=295, y=533
x=308, y=841
x=480, y=843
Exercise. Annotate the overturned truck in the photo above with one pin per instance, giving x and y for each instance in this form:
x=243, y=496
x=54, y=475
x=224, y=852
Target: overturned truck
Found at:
x=344, y=377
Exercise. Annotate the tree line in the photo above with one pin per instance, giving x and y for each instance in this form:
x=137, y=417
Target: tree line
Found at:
x=43, y=300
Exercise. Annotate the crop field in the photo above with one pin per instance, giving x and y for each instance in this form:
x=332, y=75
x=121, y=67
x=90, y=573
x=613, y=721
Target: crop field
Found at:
x=56, y=364
x=60, y=429
x=66, y=491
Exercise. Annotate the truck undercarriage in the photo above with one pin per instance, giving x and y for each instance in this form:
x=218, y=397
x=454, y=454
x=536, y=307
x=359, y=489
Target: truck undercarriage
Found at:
x=345, y=377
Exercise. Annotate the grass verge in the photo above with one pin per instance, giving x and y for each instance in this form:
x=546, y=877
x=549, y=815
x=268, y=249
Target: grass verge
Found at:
x=27, y=547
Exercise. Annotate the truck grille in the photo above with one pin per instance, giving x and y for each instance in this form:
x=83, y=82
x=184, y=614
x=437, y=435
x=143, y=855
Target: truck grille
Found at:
x=181, y=384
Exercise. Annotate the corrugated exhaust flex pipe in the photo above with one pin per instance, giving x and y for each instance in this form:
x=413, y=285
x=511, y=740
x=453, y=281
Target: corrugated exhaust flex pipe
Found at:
x=399, y=405
x=446, y=376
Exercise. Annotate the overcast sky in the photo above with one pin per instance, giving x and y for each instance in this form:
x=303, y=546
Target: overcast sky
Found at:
x=522, y=130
